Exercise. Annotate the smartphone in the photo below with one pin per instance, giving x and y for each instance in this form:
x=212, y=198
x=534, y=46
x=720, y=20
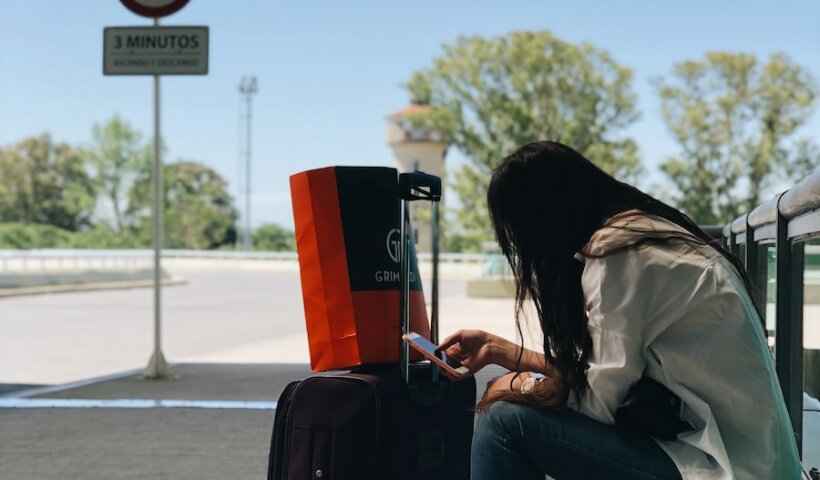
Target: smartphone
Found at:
x=427, y=349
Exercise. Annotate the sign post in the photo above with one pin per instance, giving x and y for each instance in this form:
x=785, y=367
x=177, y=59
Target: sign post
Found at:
x=156, y=51
x=157, y=366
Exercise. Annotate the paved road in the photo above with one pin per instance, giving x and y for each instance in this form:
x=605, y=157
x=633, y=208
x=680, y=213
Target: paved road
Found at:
x=63, y=337
x=225, y=316
x=219, y=316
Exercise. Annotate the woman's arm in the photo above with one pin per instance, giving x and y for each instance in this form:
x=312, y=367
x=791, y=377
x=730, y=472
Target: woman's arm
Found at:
x=477, y=348
x=505, y=353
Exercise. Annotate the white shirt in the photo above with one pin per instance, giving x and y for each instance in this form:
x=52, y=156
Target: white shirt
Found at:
x=680, y=315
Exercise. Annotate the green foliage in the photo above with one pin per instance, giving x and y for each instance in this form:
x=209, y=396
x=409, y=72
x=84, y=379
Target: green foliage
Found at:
x=32, y=236
x=273, y=238
x=734, y=119
x=118, y=155
x=198, y=211
x=493, y=95
x=460, y=243
x=420, y=89
x=48, y=194
x=103, y=236
x=45, y=182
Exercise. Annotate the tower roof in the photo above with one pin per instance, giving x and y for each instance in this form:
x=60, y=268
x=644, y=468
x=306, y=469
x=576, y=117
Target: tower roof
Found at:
x=412, y=109
x=403, y=129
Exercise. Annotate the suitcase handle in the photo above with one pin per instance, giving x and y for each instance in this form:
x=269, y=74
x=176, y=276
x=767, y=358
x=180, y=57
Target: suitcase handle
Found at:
x=417, y=186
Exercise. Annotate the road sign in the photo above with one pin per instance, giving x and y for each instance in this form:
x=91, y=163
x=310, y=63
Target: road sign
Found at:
x=154, y=8
x=155, y=51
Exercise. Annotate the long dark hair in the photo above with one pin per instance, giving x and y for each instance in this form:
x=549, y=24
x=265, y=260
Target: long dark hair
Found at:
x=546, y=200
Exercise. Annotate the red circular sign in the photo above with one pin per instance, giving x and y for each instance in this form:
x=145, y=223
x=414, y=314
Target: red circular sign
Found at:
x=154, y=8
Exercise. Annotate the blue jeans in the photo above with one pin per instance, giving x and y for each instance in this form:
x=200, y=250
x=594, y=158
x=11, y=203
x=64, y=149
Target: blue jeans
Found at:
x=517, y=442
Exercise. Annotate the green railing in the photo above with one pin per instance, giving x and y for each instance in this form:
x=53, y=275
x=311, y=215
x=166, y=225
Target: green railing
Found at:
x=777, y=232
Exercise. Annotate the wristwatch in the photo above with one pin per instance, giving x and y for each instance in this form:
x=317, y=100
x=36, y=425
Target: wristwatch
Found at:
x=529, y=383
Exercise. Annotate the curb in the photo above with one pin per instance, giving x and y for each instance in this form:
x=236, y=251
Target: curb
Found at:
x=43, y=390
x=88, y=287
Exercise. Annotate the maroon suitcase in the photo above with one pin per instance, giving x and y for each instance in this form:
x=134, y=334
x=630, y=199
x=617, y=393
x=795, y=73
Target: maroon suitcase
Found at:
x=379, y=422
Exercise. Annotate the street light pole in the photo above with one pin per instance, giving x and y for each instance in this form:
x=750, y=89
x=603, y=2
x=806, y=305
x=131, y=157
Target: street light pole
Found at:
x=247, y=87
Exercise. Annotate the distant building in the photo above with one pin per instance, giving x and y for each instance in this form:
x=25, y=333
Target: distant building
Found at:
x=417, y=148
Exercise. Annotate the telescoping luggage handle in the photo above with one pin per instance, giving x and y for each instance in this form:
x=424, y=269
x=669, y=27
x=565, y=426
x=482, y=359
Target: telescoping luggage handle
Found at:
x=417, y=186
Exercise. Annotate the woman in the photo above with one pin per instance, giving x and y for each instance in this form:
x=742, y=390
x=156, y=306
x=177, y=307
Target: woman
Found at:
x=625, y=288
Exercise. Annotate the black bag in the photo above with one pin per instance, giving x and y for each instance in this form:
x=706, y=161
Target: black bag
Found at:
x=380, y=421
x=653, y=409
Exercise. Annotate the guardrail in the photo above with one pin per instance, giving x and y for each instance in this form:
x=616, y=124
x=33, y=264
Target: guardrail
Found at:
x=58, y=260
x=786, y=222
x=54, y=259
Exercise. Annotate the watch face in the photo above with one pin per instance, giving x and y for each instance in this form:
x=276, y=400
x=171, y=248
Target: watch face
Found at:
x=527, y=385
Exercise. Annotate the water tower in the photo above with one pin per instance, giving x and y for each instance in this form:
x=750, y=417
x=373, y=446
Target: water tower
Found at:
x=417, y=148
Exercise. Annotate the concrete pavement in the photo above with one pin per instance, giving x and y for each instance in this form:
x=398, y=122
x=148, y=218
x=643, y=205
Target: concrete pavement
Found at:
x=219, y=316
x=250, y=321
x=113, y=444
x=152, y=443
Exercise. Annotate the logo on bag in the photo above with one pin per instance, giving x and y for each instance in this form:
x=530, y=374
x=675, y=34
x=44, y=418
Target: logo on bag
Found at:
x=394, y=244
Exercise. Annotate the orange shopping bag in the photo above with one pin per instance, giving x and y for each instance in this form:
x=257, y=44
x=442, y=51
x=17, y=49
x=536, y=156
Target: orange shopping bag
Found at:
x=347, y=235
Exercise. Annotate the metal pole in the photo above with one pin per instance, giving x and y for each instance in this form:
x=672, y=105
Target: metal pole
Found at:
x=157, y=366
x=248, y=171
x=789, y=323
x=404, y=296
x=247, y=87
x=240, y=158
x=434, y=287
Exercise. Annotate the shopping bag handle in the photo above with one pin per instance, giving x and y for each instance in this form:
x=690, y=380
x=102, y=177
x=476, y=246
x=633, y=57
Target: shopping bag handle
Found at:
x=419, y=186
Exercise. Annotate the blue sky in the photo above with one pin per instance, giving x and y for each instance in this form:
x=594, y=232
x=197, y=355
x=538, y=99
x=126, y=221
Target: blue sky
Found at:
x=329, y=71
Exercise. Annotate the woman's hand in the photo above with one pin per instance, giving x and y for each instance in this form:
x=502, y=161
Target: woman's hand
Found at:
x=546, y=392
x=472, y=348
x=476, y=348
x=503, y=383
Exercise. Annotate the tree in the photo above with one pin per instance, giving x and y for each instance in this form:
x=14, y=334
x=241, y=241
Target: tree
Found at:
x=273, y=238
x=45, y=182
x=33, y=235
x=118, y=155
x=198, y=213
x=734, y=119
x=493, y=95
